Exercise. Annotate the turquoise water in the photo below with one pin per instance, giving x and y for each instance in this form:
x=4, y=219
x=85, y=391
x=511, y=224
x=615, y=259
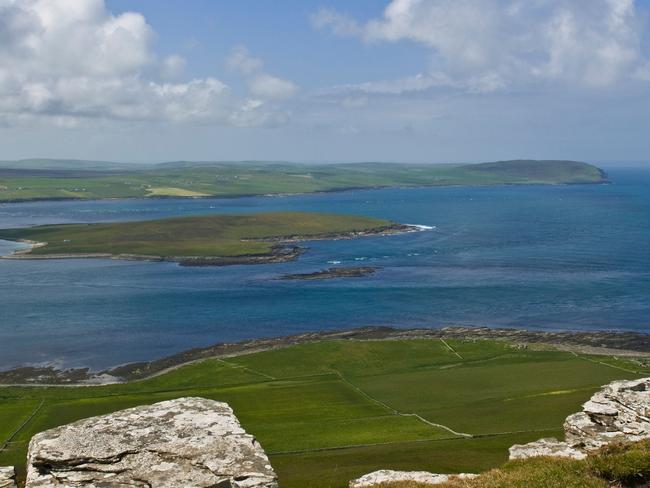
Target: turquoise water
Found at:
x=566, y=257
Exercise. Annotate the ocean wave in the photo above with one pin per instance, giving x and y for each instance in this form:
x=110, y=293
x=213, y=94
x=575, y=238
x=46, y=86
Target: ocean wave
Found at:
x=422, y=227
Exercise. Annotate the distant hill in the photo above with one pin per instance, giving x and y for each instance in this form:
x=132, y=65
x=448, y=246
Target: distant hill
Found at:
x=68, y=165
x=542, y=170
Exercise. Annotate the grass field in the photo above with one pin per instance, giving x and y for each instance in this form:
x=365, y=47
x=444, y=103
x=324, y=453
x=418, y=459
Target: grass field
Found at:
x=214, y=235
x=86, y=180
x=328, y=412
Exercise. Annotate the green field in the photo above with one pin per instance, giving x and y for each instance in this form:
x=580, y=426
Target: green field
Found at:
x=47, y=179
x=213, y=235
x=327, y=412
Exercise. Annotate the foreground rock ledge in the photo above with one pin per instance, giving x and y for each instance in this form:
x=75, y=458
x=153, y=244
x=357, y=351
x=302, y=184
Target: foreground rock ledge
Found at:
x=618, y=412
x=7, y=477
x=388, y=476
x=188, y=443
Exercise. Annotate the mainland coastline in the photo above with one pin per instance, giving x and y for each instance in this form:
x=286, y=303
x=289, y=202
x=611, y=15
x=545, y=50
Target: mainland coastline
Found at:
x=606, y=343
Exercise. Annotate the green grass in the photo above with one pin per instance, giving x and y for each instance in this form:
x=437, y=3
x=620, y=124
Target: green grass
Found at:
x=327, y=412
x=86, y=180
x=215, y=235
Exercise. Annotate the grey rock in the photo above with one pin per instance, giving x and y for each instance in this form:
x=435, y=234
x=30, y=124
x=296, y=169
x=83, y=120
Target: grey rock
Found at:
x=546, y=447
x=388, y=476
x=7, y=477
x=618, y=412
x=188, y=443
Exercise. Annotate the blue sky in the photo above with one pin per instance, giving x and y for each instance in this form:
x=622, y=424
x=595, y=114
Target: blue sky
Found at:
x=281, y=33
x=387, y=80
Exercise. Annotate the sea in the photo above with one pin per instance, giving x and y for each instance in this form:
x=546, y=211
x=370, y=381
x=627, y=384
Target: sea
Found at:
x=571, y=257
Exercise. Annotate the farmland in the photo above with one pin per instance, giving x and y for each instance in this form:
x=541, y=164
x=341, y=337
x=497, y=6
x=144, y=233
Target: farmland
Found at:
x=329, y=411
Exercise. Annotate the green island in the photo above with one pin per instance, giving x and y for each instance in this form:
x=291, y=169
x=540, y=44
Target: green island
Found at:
x=63, y=179
x=212, y=239
x=328, y=411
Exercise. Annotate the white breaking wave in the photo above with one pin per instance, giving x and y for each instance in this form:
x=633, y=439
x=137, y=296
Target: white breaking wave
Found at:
x=422, y=227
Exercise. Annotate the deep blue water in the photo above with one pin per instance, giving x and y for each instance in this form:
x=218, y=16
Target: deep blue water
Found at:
x=564, y=257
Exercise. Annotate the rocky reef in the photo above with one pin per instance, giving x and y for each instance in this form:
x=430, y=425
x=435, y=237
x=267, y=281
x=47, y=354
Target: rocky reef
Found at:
x=618, y=412
x=331, y=273
x=187, y=442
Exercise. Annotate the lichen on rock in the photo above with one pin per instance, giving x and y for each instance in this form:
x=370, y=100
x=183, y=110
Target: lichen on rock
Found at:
x=188, y=442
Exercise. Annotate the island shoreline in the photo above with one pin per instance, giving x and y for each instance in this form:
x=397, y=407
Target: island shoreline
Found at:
x=280, y=253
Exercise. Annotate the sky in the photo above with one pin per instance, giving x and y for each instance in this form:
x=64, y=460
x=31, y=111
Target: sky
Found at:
x=325, y=80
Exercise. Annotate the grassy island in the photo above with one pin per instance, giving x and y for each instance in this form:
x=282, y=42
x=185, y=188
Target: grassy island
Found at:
x=55, y=179
x=226, y=238
x=329, y=411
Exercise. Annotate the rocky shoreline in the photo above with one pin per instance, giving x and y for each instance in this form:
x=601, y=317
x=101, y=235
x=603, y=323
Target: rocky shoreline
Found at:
x=607, y=343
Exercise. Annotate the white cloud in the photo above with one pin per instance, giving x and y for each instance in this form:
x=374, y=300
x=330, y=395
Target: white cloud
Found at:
x=270, y=87
x=417, y=83
x=241, y=60
x=354, y=102
x=255, y=114
x=67, y=61
x=488, y=45
x=172, y=66
x=597, y=46
x=339, y=24
x=420, y=83
x=261, y=84
x=643, y=72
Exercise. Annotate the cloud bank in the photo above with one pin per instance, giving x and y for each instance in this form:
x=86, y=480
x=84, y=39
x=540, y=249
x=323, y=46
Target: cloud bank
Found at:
x=71, y=61
x=492, y=45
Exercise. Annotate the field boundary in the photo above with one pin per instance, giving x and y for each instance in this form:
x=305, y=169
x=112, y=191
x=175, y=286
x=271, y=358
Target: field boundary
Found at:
x=451, y=349
x=414, y=441
x=6, y=443
x=397, y=412
x=245, y=368
x=606, y=364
